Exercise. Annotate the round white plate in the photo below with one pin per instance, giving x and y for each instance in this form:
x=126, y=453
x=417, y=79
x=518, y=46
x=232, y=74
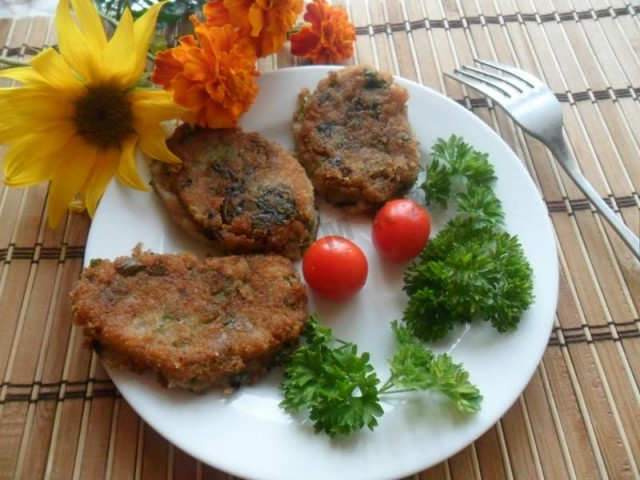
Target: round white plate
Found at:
x=246, y=433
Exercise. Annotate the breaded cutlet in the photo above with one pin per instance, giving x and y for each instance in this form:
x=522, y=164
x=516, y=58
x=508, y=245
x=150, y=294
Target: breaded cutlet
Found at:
x=353, y=137
x=238, y=190
x=223, y=323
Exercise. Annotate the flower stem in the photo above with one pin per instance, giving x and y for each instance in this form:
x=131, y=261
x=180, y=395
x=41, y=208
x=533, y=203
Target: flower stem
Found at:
x=12, y=63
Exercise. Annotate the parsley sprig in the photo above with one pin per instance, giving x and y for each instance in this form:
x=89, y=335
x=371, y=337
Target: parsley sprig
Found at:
x=333, y=382
x=457, y=171
x=339, y=387
x=415, y=367
x=472, y=268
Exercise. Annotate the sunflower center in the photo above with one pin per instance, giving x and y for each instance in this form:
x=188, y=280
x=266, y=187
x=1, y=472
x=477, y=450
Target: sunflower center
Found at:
x=104, y=117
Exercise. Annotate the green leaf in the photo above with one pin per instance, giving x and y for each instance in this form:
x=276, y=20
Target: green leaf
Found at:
x=455, y=168
x=471, y=269
x=415, y=367
x=330, y=380
x=481, y=205
x=317, y=334
x=483, y=271
x=338, y=388
x=437, y=185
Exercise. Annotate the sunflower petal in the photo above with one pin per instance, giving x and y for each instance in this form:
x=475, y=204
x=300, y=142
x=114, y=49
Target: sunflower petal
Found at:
x=29, y=151
x=143, y=32
x=17, y=166
x=102, y=173
x=127, y=172
x=11, y=132
x=55, y=71
x=140, y=94
x=90, y=23
x=33, y=105
x=153, y=143
x=118, y=56
x=77, y=161
x=76, y=51
x=154, y=109
x=37, y=170
x=26, y=75
x=40, y=173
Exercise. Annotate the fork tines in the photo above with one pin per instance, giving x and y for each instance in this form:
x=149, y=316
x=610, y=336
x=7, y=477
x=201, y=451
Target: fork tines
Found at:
x=499, y=82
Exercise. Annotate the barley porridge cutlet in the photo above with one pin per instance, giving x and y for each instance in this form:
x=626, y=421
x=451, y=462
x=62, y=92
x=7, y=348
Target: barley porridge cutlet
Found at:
x=354, y=139
x=162, y=184
x=221, y=323
x=239, y=191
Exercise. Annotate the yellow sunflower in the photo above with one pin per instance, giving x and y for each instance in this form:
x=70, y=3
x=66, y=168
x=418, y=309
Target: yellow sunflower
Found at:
x=78, y=117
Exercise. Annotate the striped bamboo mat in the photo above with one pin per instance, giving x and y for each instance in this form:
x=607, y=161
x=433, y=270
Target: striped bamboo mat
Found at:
x=579, y=418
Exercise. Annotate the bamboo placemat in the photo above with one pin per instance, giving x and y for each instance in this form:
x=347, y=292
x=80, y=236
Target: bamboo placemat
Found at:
x=62, y=418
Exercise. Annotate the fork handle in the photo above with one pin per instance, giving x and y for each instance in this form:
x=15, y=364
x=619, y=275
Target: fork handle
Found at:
x=561, y=152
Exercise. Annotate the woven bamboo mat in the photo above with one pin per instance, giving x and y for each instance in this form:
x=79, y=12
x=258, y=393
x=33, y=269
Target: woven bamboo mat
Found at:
x=62, y=418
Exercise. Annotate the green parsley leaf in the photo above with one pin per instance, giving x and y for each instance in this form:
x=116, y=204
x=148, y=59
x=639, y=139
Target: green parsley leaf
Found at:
x=437, y=186
x=472, y=268
x=481, y=205
x=415, y=367
x=317, y=334
x=333, y=382
x=455, y=166
x=338, y=388
x=467, y=272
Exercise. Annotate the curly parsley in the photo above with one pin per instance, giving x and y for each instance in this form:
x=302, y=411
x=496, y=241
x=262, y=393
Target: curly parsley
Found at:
x=472, y=268
x=328, y=378
x=415, y=367
x=339, y=388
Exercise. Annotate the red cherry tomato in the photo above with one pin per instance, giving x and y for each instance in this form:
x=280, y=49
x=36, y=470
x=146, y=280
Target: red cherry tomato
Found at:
x=335, y=267
x=401, y=230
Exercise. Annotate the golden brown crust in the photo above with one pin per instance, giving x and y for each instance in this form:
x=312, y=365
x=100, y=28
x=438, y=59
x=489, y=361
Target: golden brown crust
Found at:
x=354, y=139
x=220, y=323
x=162, y=177
x=238, y=190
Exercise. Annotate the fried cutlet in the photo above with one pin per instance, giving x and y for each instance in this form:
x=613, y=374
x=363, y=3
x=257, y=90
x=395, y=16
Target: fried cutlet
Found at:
x=162, y=181
x=353, y=138
x=241, y=192
x=221, y=323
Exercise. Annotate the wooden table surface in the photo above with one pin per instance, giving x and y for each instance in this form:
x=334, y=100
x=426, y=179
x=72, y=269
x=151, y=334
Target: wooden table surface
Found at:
x=579, y=417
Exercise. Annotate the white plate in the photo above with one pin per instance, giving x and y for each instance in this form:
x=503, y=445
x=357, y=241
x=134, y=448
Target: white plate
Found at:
x=247, y=434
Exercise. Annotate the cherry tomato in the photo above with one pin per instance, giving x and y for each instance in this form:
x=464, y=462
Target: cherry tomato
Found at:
x=335, y=267
x=401, y=229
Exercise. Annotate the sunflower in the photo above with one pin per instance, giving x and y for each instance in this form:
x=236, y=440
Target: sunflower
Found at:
x=78, y=117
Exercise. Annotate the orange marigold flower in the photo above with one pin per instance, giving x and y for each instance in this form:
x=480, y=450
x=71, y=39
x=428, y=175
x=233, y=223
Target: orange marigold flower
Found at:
x=327, y=38
x=265, y=21
x=213, y=76
x=170, y=63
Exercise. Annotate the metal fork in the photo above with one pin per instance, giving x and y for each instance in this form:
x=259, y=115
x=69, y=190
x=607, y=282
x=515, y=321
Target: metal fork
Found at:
x=533, y=106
